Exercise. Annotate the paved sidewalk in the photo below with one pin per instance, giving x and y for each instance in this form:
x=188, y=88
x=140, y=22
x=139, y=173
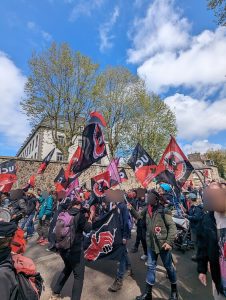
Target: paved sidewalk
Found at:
x=99, y=275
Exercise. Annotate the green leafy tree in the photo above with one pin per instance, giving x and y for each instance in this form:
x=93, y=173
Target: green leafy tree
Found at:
x=59, y=92
x=153, y=125
x=219, y=8
x=115, y=97
x=219, y=158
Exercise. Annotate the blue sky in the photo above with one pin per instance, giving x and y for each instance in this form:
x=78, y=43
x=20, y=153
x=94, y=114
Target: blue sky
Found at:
x=176, y=46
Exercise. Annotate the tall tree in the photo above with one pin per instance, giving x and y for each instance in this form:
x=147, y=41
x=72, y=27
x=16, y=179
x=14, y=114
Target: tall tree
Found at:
x=219, y=158
x=115, y=97
x=219, y=8
x=152, y=126
x=59, y=92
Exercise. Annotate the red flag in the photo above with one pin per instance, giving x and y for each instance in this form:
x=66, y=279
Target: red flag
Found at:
x=30, y=184
x=175, y=161
x=74, y=159
x=100, y=183
x=8, y=172
x=6, y=188
x=45, y=162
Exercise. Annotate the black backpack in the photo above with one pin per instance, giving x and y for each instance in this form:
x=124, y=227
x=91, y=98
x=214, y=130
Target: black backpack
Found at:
x=30, y=282
x=26, y=290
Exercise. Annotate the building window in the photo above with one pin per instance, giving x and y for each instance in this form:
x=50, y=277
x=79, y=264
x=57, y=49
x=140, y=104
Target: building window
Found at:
x=36, y=141
x=98, y=162
x=35, y=155
x=33, y=144
x=81, y=128
x=60, y=156
x=79, y=142
x=60, y=139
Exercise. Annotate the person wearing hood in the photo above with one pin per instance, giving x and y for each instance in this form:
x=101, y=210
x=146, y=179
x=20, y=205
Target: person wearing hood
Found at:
x=74, y=256
x=8, y=282
x=161, y=232
x=195, y=214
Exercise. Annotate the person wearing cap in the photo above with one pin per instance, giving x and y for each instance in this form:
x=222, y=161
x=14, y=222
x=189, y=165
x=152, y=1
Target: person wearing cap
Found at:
x=195, y=214
x=8, y=282
x=161, y=232
x=30, y=213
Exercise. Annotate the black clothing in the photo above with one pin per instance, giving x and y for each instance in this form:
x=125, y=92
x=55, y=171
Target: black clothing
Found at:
x=31, y=205
x=141, y=235
x=74, y=257
x=208, y=248
x=8, y=282
x=78, y=271
x=7, y=229
x=194, y=216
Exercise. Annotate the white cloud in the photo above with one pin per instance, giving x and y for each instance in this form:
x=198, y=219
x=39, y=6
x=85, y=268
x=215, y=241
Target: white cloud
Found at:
x=37, y=30
x=169, y=56
x=197, y=118
x=201, y=146
x=84, y=8
x=13, y=124
x=105, y=29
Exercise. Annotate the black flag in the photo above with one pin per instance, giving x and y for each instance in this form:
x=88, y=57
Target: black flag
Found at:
x=105, y=239
x=93, y=147
x=123, y=175
x=61, y=179
x=140, y=158
x=45, y=162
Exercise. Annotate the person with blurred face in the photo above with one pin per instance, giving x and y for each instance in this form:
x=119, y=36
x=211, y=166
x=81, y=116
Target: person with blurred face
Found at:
x=161, y=232
x=211, y=237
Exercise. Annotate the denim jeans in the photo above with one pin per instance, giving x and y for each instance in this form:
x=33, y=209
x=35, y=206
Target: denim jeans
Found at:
x=124, y=263
x=167, y=260
x=28, y=221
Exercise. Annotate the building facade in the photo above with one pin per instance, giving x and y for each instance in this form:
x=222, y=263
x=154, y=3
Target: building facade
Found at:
x=40, y=142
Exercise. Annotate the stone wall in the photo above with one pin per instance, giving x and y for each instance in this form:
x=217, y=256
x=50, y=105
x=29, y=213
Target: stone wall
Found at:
x=28, y=167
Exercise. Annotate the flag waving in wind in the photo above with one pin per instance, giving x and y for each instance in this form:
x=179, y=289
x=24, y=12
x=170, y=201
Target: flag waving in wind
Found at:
x=100, y=183
x=45, y=162
x=8, y=172
x=142, y=164
x=123, y=175
x=175, y=161
x=30, y=184
x=114, y=174
x=93, y=145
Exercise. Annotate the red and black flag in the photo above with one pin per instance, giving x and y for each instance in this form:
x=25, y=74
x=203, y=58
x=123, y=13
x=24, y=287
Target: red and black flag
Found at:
x=6, y=188
x=30, y=184
x=100, y=184
x=93, y=145
x=105, y=239
x=140, y=158
x=8, y=172
x=175, y=161
x=45, y=162
x=60, y=181
x=123, y=175
x=142, y=164
x=73, y=161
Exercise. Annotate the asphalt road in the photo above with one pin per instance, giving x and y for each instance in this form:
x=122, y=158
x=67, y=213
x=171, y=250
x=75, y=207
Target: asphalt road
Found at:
x=99, y=275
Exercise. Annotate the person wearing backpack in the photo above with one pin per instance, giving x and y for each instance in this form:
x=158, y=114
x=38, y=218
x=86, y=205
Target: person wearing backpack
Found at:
x=160, y=235
x=69, y=242
x=44, y=216
x=8, y=282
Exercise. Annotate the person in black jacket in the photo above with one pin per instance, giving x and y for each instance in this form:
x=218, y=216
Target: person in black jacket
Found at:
x=8, y=282
x=30, y=213
x=74, y=257
x=211, y=237
x=195, y=214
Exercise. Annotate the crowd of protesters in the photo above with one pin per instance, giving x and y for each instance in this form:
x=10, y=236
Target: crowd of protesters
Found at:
x=151, y=213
